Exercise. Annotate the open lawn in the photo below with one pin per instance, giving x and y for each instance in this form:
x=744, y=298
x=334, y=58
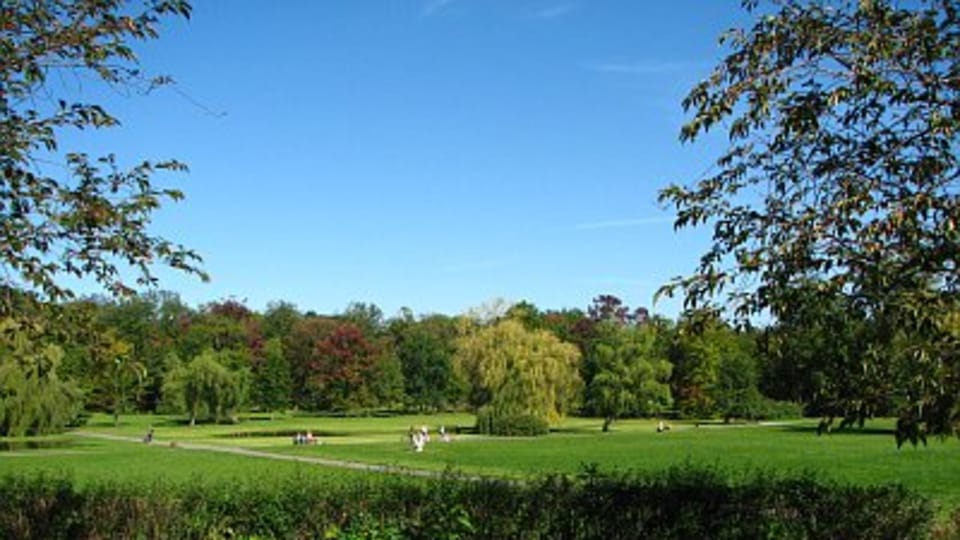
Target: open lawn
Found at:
x=862, y=457
x=92, y=460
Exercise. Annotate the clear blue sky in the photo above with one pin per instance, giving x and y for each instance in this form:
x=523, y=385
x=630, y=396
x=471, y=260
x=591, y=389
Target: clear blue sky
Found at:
x=432, y=154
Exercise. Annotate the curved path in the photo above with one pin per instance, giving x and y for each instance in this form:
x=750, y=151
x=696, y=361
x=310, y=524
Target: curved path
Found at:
x=326, y=462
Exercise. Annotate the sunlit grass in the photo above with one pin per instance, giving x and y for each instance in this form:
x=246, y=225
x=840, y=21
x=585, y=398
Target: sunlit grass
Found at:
x=860, y=457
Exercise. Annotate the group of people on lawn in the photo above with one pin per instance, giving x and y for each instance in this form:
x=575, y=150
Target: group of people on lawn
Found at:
x=305, y=438
x=420, y=437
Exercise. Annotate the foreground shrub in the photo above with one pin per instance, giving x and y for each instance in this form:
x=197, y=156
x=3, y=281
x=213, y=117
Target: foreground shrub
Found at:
x=677, y=503
x=949, y=528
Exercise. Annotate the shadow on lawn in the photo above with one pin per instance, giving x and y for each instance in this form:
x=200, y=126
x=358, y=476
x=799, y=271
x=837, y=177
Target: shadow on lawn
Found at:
x=853, y=430
x=11, y=446
x=27, y=443
x=579, y=430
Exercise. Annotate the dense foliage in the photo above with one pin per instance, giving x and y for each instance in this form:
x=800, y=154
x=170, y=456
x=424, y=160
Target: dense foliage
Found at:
x=152, y=353
x=516, y=372
x=206, y=387
x=33, y=397
x=64, y=213
x=491, y=421
x=841, y=182
x=90, y=216
x=678, y=503
x=630, y=375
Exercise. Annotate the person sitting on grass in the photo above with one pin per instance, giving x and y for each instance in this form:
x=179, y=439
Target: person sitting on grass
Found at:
x=148, y=438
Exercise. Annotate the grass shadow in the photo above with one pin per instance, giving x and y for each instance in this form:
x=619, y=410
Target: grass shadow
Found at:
x=578, y=430
x=28, y=444
x=852, y=430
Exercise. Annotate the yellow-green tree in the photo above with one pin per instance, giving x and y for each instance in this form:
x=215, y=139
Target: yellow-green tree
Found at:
x=118, y=374
x=516, y=371
x=205, y=386
x=33, y=398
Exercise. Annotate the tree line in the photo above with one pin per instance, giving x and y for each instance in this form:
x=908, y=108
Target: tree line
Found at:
x=152, y=353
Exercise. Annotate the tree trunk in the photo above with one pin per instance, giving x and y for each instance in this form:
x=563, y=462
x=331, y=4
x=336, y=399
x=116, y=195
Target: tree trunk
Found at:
x=606, y=423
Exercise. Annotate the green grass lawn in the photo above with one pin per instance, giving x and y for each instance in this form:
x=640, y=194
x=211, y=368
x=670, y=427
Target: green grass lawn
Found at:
x=89, y=460
x=862, y=457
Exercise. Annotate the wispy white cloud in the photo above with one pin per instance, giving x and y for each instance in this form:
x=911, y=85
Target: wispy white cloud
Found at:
x=552, y=12
x=644, y=67
x=622, y=223
x=432, y=7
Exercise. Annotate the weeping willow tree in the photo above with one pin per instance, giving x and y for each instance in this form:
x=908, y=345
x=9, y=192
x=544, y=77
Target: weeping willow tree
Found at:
x=33, y=399
x=514, y=372
x=205, y=388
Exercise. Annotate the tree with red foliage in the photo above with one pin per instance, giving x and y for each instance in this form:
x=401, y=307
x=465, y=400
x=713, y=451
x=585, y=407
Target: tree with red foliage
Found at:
x=336, y=365
x=342, y=367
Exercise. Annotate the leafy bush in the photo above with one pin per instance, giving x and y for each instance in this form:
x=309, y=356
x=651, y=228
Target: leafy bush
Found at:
x=769, y=409
x=683, y=502
x=491, y=422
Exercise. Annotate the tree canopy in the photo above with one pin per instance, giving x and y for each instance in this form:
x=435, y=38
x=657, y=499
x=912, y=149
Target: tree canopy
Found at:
x=519, y=371
x=842, y=171
x=630, y=377
x=206, y=386
x=63, y=213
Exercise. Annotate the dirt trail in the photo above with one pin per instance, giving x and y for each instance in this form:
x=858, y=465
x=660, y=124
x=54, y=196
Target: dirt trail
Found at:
x=326, y=462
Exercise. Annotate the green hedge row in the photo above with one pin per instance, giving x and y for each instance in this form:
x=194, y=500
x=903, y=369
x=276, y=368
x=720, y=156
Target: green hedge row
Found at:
x=677, y=503
x=490, y=422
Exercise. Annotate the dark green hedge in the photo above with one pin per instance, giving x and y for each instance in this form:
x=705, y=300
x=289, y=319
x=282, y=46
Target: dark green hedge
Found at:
x=677, y=503
x=516, y=425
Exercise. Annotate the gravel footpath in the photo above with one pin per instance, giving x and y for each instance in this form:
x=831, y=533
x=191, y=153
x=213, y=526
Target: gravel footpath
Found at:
x=326, y=462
